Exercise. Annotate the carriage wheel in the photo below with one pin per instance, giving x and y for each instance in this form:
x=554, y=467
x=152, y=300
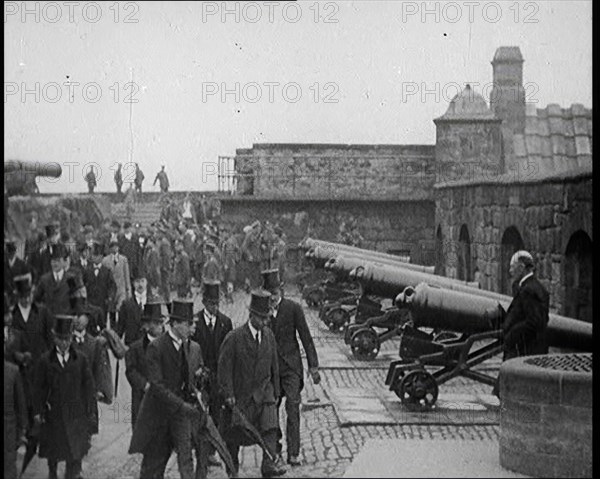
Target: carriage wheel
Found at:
x=338, y=318
x=365, y=344
x=418, y=391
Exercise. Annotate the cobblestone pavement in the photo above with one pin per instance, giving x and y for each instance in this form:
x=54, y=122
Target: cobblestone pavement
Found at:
x=327, y=448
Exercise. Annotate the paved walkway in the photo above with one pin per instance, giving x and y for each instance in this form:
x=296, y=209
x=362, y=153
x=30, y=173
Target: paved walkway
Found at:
x=332, y=434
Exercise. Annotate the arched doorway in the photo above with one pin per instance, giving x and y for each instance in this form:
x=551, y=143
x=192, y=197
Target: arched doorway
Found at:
x=510, y=244
x=440, y=260
x=464, y=270
x=578, y=277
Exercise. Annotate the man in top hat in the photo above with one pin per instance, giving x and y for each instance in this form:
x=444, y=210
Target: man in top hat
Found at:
x=53, y=290
x=119, y=266
x=248, y=375
x=64, y=402
x=526, y=322
x=33, y=321
x=40, y=260
x=210, y=332
x=99, y=283
x=136, y=364
x=287, y=322
x=80, y=259
x=167, y=415
x=130, y=248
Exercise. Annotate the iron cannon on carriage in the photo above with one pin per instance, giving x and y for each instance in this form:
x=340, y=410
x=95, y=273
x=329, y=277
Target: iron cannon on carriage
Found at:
x=426, y=362
x=20, y=177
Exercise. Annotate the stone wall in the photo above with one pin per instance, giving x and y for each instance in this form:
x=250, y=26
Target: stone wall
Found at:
x=315, y=171
x=546, y=215
x=385, y=225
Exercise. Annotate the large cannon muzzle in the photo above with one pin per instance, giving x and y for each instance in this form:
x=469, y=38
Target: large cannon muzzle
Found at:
x=465, y=313
x=20, y=176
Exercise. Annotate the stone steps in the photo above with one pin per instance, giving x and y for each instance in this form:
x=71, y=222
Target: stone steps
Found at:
x=144, y=213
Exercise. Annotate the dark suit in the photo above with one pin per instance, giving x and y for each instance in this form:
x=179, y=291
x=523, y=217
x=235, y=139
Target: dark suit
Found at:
x=151, y=266
x=15, y=417
x=18, y=268
x=101, y=289
x=131, y=250
x=130, y=320
x=160, y=426
x=526, y=320
x=54, y=295
x=251, y=376
x=136, y=371
x=289, y=321
x=65, y=397
x=96, y=351
x=40, y=262
x=210, y=344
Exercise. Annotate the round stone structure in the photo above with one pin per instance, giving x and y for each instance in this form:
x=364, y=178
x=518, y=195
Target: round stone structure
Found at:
x=546, y=415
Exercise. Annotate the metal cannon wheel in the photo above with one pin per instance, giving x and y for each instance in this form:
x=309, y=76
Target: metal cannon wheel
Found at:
x=365, y=344
x=337, y=319
x=418, y=391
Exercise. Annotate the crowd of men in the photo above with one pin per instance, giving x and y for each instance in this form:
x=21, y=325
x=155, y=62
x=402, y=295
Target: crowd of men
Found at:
x=68, y=303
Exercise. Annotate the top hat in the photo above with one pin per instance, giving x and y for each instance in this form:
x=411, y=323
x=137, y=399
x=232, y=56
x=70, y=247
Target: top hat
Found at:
x=23, y=284
x=59, y=251
x=127, y=224
x=182, y=310
x=211, y=291
x=82, y=246
x=63, y=325
x=271, y=279
x=115, y=224
x=260, y=302
x=152, y=312
x=52, y=229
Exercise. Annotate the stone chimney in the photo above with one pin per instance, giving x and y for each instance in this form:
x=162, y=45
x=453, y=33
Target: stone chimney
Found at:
x=507, y=99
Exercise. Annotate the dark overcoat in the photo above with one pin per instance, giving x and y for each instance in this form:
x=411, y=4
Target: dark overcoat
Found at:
x=65, y=398
x=130, y=320
x=163, y=399
x=15, y=417
x=131, y=250
x=136, y=371
x=526, y=320
x=54, y=295
x=251, y=376
x=100, y=289
x=289, y=321
x=210, y=343
x=96, y=352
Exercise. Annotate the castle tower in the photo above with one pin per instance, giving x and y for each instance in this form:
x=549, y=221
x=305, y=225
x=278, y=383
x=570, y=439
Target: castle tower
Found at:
x=507, y=98
x=468, y=139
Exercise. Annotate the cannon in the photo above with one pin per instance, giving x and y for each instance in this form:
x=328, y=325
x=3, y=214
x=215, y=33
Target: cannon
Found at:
x=478, y=319
x=20, y=176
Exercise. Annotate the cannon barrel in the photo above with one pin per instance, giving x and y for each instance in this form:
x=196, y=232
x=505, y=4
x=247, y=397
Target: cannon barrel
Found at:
x=388, y=280
x=331, y=250
x=321, y=254
x=463, y=312
x=35, y=168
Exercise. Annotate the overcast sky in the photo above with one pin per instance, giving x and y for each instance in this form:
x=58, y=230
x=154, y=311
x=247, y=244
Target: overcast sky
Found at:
x=333, y=72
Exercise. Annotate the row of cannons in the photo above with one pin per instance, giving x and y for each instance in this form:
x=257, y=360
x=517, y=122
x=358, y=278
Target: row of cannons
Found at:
x=446, y=326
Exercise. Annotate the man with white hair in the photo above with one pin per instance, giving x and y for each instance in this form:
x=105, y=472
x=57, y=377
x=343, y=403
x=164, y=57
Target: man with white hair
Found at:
x=527, y=317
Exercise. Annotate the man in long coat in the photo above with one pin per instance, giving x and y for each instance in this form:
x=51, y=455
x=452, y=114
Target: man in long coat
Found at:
x=288, y=322
x=129, y=326
x=99, y=283
x=151, y=264
x=136, y=363
x=248, y=375
x=130, y=248
x=15, y=416
x=40, y=259
x=210, y=332
x=167, y=414
x=182, y=275
x=165, y=253
x=64, y=402
x=53, y=290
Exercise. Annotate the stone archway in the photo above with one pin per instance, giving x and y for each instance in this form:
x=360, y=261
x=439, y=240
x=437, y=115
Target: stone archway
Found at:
x=511, y=243
x=464, y=268
x=577, y=278
x=440, y=259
